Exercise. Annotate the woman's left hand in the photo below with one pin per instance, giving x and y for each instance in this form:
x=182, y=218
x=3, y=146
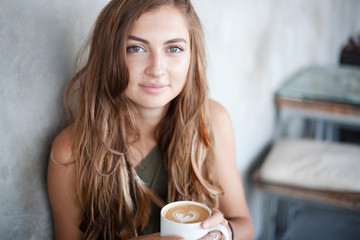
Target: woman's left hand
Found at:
x=215, y=219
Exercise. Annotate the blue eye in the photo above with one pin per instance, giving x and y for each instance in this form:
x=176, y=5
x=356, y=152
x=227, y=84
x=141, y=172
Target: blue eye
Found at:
x=134, y=49
x=175, y=49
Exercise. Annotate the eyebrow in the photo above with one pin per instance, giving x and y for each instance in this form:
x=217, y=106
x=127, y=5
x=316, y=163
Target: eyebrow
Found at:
x=175, y=40
x=131, y=37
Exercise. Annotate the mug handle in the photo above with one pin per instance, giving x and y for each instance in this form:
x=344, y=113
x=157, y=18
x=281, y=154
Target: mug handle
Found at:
x=222, y=229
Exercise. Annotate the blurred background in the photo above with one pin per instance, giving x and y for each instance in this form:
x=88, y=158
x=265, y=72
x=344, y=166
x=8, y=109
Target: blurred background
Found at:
x=253, y=46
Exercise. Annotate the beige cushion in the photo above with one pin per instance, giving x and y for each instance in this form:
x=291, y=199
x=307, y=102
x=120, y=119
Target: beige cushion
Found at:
x=313, y=164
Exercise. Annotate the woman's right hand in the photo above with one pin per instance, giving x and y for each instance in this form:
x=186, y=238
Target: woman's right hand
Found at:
x=156, y=236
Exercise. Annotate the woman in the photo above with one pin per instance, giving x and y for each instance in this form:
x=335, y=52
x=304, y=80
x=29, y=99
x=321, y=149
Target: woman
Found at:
x=145, y=132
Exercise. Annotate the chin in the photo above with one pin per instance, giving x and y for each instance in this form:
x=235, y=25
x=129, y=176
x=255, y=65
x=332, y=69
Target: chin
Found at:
x=152, y=105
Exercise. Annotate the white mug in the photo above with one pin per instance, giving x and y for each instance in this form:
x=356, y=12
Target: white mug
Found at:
x=189, y=231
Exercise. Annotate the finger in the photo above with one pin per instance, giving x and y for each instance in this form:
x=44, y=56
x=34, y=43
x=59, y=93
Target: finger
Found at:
x=214, y=235
x=157, y=236
x=171, y=238
x=216, y=218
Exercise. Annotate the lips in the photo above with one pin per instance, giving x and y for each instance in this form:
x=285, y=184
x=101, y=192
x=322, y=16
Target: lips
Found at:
x=154, y=88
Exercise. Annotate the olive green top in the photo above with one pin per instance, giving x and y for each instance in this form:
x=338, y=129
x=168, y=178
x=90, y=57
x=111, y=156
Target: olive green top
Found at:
x=152, y=172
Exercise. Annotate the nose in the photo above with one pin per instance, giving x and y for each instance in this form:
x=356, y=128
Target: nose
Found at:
x=155, y=68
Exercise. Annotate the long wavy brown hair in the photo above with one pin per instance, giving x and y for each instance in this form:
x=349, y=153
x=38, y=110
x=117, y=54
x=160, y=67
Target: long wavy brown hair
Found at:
x=116, y=203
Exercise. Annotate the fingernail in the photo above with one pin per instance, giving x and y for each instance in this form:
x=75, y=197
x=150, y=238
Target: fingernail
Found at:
x=205, y=224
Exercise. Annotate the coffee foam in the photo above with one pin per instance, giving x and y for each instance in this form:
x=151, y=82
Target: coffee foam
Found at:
x=186, y=213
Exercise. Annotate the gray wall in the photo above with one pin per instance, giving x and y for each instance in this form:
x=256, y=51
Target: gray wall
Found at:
x=252, y=46
x=38, y=43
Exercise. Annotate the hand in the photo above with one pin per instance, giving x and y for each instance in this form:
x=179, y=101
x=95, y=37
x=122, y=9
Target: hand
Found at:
x=215, y=219
x=156, y=236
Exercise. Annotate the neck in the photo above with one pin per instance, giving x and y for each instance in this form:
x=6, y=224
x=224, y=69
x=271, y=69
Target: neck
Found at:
x=147, y=120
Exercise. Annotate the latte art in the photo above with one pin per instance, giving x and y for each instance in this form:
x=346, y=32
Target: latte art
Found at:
x=185, y=216
x=186, y=213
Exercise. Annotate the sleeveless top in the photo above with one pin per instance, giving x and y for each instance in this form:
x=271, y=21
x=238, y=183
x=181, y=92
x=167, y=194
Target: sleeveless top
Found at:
x=152, y=172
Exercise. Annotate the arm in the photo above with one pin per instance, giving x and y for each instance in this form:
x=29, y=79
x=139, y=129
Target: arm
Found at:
x=67, y=213
x=232, y=202
x=61, y=184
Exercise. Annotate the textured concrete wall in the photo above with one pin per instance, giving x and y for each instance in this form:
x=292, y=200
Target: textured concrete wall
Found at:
x=38, y=43
x=252, y=46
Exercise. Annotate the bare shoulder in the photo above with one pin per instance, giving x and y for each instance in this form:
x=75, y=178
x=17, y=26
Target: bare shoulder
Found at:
x=61, y=184
x=222, y=128
x=219, y=115
x=61, y=151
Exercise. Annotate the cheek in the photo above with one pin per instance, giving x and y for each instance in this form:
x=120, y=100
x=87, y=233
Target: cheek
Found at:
x=134, y=68
x=181, y=67
x=137, y=62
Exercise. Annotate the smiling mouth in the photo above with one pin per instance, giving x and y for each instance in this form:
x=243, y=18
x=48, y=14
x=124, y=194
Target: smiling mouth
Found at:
x=154, y=88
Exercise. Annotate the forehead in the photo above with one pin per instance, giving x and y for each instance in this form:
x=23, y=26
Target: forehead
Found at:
x=164, y=22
